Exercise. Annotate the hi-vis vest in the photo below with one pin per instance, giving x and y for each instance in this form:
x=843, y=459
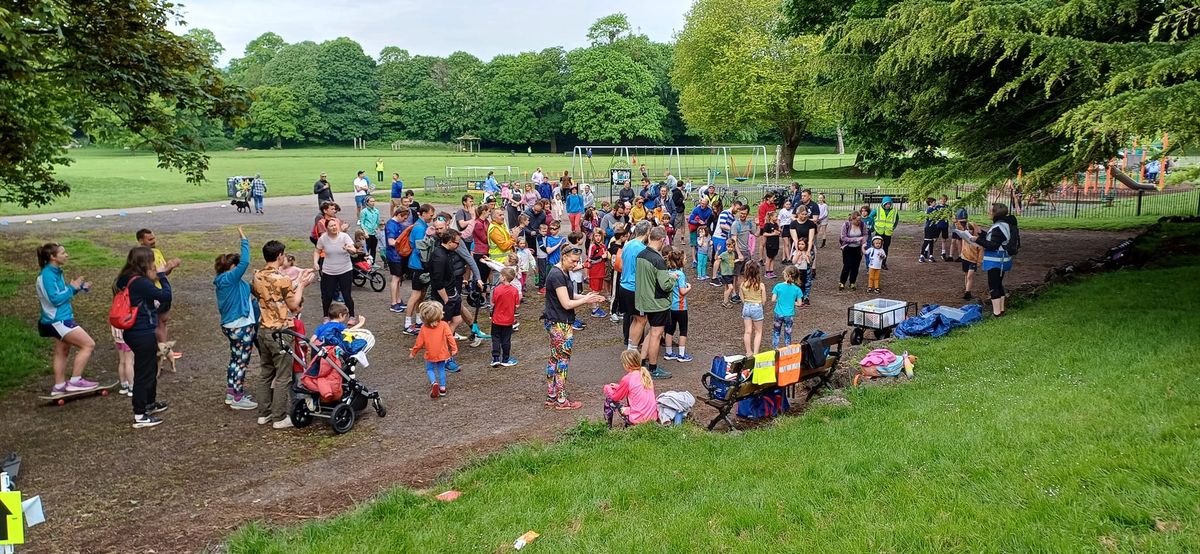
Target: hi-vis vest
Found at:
x=764, y=368
x=887, y=220
x=789, y=365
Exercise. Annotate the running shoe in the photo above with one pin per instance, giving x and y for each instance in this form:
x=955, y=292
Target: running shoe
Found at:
x=156, y=408
x=243, y=403
x=434, y=390
x=511, y=362
x=475, y=342
x=496, y=363
x=578, y=325
x=126, y=390
x=479, y=332
x=669, y=356
x=683, y=357
x=285, y=423
x=79, y=384
x=921, y=260
x=459, y=337
x=145, y=421
x=397, y=308
x=599, y=313
x=701, y=277
x=615, y=317
x=442, y=391
x=660, y=373
x=411, y=330
x=716, y=283
x=770, y=275
x=58, y=390
x=453, y=367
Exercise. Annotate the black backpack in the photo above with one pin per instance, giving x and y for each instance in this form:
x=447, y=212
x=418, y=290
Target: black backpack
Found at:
x=1013, y=244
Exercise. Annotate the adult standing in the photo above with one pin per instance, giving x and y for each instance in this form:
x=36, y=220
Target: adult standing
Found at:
x=379, y=170
x=678, y=198
x=589, y=198
x=336, y=273
x=322, y=189
x=397, y=265
x=144, y=281
x=619, y=214
x=537, y=216
x=720, y=237
x=853, y=239
x=574, y=208
x=239, y=320
x=397, y=191
x=362, y=187
x=538, y=177
x=559, y=318
x=653, y=298
x=806, y=203
x=464, y=218
x=57, y=320
x=490, y=186
x=368, y=221
x=479, y=240
x=499, y=239
x=417, y=275
x=446, y=271
x=886, y=218
x=146, y=237
x=258, y=190
x=278, y=297
x=626, y=194
x=530, y=197
x=544, y=190
x=512, y=205
x=740, y=233
x=700, y=217
x=997, y=259
x=626, y=300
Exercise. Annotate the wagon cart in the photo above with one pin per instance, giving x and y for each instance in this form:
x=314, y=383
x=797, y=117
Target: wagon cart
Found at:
x=880, y=315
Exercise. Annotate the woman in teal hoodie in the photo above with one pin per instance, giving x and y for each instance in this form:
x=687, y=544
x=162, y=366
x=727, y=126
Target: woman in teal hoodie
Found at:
x=239, y=321
x=57, y=320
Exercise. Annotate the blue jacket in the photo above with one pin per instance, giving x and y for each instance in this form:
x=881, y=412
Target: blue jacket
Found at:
x=574, y=204
x=54, y=295
x=233, y=293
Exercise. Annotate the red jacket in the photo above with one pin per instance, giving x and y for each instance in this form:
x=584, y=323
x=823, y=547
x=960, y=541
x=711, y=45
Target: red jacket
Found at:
x=504, y=304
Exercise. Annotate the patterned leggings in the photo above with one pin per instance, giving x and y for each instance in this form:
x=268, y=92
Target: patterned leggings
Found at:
x=612, y=407
x=241, y=342
x=561, y=338
x=781, y=327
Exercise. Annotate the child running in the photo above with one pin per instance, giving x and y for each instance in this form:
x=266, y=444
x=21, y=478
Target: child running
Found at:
x=786, y=295
x=597, y=268
x=752, y=292
x=770, y=233
x=679, y=315
x=875, y=257
x=703, y=247
x=437, y=339
x=505, y=298
x=633, y=397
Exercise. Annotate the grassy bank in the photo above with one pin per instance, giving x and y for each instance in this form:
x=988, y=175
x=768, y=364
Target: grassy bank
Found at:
x=1068, y=426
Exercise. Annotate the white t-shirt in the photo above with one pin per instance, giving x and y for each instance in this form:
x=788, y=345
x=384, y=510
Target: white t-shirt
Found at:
x=538, y=177
x=361, y=186
x=337, y=260
x=785, y=218
x=875, y=257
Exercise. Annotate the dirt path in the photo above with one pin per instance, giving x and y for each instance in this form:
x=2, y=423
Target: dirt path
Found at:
x=184, y=485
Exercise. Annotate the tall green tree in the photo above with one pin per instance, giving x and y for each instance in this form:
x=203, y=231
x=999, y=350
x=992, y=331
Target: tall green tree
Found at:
x=608, y=29
x=294, y=68
x=412, y=104
x=609, y=97
x=247, y=70
x=207, y=42
x=64, y=62
x=946, y=92
x=274, y=117
x=737, y=75
x=522, y=97
x=350, y=101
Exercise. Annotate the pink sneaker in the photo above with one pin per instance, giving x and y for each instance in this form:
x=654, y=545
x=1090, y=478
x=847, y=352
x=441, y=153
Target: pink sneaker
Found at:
x=58, y=390
x=80, y=384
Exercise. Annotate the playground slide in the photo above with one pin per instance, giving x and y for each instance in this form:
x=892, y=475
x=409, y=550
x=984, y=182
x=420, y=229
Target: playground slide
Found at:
x=1126, y=180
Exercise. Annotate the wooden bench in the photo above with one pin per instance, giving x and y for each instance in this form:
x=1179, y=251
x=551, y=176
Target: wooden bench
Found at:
x=873, y=197
x=741, y=387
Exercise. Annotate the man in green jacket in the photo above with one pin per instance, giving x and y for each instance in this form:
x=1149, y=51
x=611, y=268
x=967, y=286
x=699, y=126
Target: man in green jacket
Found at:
x=652, y=297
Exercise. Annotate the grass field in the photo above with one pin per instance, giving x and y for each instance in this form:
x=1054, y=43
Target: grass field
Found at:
x=1069, y=426
x=103, y=178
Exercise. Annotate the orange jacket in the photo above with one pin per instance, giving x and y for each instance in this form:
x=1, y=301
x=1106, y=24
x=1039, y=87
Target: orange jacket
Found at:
x=438, y=342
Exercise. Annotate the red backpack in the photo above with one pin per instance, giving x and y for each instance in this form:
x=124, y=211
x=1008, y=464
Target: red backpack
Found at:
x=123, y=314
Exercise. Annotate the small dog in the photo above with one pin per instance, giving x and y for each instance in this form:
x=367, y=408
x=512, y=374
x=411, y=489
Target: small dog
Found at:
x=243, y=207
x=166, y=353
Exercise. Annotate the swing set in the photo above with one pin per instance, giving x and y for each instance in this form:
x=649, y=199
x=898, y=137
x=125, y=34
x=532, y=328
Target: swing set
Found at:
x=712, y=163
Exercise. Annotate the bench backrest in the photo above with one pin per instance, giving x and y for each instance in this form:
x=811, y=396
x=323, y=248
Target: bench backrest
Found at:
x=834, y=344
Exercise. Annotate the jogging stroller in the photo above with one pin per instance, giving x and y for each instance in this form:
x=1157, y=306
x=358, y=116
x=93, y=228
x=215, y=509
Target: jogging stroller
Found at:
x=328, y=388
x=365, y=271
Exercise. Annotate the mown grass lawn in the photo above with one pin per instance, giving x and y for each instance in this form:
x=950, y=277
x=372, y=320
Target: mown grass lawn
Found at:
x=1071, y=425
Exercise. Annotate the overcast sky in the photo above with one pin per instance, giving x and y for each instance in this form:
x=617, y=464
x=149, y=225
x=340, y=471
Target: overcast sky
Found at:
x=483, y=28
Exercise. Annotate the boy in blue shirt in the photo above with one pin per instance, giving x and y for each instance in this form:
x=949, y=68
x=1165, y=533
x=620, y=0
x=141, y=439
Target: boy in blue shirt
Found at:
x=554, y=244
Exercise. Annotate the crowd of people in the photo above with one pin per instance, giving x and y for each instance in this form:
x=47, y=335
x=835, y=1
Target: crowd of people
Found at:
x=628, y=255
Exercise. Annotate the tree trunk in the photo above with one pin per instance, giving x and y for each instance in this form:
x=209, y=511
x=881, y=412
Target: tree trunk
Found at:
x=553, y=145
x=787, y=156
x=841, y=148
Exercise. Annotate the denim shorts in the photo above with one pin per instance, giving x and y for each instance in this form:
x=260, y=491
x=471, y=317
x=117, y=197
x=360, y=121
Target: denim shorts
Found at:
x=753, y=312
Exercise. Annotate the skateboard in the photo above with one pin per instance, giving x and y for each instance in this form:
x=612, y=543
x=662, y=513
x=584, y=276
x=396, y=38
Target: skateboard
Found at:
x=61, y=399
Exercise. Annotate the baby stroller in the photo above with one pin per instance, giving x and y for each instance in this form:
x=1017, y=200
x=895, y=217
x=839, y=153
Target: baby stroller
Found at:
x=365, y=271
x=329, y=387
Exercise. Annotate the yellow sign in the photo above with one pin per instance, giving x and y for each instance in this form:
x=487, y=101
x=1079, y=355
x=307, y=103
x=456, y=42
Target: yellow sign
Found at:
x=13, y=529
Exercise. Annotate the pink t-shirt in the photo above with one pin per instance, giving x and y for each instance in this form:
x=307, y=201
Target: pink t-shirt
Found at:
x=643, y=403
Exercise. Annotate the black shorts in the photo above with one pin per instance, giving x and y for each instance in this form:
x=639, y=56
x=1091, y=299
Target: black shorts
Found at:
x=452, y=307
x=414, y=277
x=397, y=269
x=931, y=233
x=726, y=279
x=771, y=250
x=969, y=266
x=943, y=232
x=659, y=319
x=678, y=321
x=625, y=302
x=739, y=267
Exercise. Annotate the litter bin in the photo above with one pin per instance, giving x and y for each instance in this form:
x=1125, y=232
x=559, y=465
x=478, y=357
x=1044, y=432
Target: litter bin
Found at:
x=430, y=184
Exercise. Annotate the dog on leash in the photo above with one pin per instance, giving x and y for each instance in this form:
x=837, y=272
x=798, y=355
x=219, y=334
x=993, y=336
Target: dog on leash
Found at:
x=243, y=206
x=166, y=354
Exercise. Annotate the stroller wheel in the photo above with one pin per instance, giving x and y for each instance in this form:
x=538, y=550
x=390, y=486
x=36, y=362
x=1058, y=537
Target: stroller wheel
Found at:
x=342, y=418
x=379, y=409
x=359, y=279
x=300, y=415
x=856, y=336
x=377, y=281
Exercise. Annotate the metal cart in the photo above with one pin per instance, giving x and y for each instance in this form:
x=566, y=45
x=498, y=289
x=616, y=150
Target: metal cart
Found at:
x=880, y=315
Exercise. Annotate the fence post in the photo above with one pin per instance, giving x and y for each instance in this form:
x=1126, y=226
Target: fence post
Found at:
x=1139, y=203
x=1076, y=196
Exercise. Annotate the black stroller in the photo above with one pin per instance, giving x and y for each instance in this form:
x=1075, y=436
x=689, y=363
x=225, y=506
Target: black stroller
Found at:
x=306, y=403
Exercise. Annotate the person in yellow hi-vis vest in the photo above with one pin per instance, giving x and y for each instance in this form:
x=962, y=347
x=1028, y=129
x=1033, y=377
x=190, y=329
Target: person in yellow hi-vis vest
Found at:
x=887, y=218
x=379, y=170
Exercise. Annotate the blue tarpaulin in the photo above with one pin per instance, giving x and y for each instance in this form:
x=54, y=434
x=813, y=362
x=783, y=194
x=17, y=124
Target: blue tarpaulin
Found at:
x=936, y=321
